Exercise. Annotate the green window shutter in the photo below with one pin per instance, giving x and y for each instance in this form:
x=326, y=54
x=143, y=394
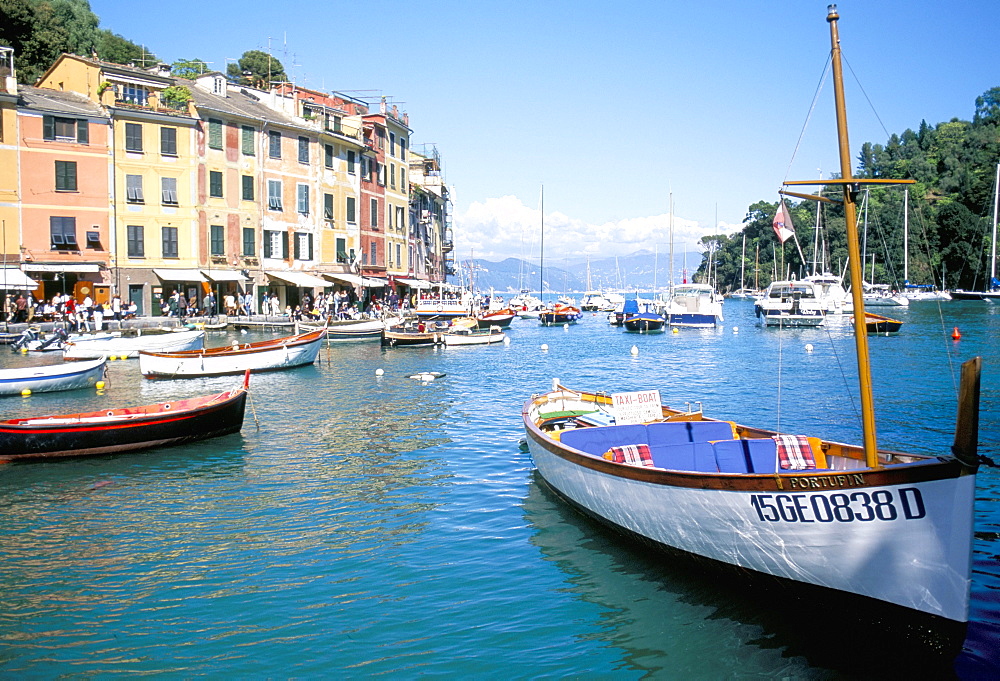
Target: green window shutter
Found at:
x=82, y=132
x=214, y=133
x=284, y=245
x=49, y=126
x=309, y=241
x=267, y=245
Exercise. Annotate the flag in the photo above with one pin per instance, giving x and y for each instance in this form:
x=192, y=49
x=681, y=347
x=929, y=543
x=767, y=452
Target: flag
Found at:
x=783, y=223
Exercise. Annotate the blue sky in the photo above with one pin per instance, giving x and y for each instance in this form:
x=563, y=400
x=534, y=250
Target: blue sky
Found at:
x=612, y=106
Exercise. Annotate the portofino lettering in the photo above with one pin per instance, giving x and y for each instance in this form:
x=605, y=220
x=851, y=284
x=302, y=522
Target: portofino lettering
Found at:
x=860, y=506
x=821, y=481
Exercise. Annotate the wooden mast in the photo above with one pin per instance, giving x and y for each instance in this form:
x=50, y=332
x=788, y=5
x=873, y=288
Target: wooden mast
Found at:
x=853, y=249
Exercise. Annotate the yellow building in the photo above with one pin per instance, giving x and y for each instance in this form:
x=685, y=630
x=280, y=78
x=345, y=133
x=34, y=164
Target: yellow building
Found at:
x=154, y=186
x=9, y=220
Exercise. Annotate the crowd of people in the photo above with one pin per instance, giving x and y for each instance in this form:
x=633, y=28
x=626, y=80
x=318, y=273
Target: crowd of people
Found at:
x=77, y=315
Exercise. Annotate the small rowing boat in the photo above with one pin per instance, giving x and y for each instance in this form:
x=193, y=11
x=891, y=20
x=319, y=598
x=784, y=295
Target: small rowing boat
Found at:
x=124, y=429
x=52, y=377
x=267, y=355
x=130, y=346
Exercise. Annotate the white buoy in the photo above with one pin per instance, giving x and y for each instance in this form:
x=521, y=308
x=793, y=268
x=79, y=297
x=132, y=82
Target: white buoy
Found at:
x=566, y=327
x=243, y=331
x=736, y=329
x=634, y=351
x=506, y=340
x=379, y=372
x=809, y=347
x=545, y=347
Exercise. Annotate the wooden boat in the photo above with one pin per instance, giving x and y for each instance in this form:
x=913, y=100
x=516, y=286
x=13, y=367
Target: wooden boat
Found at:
x=410, y=337
x=876, y=323
x=268, y=355
x=125, y=429
x=465, y=336
x=501, y=318
x=644, y=322
x=52, y=377
x=338, y=331
x=560, y=314
x=859, y=524
x=130, y=346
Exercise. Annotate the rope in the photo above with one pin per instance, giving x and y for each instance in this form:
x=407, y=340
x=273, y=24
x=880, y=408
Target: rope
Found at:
x=253, y=409
x=812, y=107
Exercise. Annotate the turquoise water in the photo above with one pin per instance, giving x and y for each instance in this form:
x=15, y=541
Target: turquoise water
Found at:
x=364, y=525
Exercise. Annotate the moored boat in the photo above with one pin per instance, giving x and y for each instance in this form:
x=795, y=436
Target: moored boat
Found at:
x=644, y=322
x=501, y=318
x=858, y=522
x=350, y=329
x=876, y=323
x=268, y=355
x=52, y=377
x=421, y=335
x=130, y=346
x=791, y=304
x=466, y=336
x=560, y=313
x=124, y=429
x=694, y=305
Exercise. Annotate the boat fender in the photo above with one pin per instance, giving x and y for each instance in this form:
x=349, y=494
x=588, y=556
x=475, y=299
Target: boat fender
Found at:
x=440, y=307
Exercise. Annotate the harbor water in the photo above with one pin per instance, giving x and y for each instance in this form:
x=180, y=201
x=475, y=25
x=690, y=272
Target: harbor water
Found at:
x=382, y=525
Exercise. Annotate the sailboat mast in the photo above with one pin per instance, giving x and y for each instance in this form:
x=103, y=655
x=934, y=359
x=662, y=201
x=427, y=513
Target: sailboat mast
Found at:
x=670, y=291
x=906, y=236
x=853, y=249
x=541, y=253
x=996, y=202
x=743, y=261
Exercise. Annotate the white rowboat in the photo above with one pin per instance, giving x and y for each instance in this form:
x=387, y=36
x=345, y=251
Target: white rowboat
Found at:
x=269, y=355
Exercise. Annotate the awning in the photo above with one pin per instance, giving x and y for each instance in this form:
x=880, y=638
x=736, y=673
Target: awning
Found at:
x=223, y=275
x=299, y=279
x=179, y=275
x=13, y=280
x=414, y=283
x=352, y=279
x=375, y=282
x=60, y=267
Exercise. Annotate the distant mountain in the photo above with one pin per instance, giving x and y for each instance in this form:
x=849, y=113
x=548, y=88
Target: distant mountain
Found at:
x=639, y=271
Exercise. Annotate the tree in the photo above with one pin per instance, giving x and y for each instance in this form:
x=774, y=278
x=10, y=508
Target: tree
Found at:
x=257, y=69
x=113, y=48
x=189, y=68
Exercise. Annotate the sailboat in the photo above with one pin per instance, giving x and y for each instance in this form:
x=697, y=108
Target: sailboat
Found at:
x=851, y=524
x=991, y=294
x=916, y=292
x=743, y=293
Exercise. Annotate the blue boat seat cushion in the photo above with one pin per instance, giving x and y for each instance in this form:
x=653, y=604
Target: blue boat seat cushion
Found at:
x=677, y=432
x=596, y=441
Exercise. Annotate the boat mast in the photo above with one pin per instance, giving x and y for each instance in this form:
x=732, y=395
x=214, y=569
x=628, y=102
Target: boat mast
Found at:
x=906, y=236
x=541, y=250
x=996, y=202
x=853, y=249
x=670, y=291
x=743, y=261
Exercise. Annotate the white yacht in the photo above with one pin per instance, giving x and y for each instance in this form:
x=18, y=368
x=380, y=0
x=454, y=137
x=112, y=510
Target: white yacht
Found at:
x=792, y=303
x=831, y=293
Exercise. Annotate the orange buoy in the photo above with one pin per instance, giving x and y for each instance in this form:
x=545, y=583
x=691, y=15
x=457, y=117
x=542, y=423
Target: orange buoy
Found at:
x=955, y=335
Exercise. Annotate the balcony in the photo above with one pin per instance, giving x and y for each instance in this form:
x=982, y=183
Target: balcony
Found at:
x=447, y=246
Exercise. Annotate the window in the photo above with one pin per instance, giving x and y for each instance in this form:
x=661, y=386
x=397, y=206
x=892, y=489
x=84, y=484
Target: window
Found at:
x=136, y=245
x=388, y=217
x=168, y=188
x=328, y=206
x=62, y=234
x=374, y=255
x=275, y=244
x=403, y=187
x=392, y=175
x=57, y=128
x=249, y=240
x=381, y=173
x=328, y=155
x=392, y=144
x=341, y=250
x=399, y=262
x=94, y=240
x=381, y=138
x=332, y=123
x=274, y=144
x=133, y=189
x=246, y=140
x=218, y=239
x=352, y=210
x=215, y=183
x=133, y=137
x=401, y=218
x=248, y=187
x=303, y=150
x=214, y=133
x=402, y=148
x=274, y=194
x=350, y=162
x=169, y=242
x=302, y=195
x=168, y=141
x=65, y=176
x=134, y=94
x=374, y=220
x=303, y=246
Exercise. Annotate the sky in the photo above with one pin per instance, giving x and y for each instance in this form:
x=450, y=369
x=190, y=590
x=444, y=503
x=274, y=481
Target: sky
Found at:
x=614, y=108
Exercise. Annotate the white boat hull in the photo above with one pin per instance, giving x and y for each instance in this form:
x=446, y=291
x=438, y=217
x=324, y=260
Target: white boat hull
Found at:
x=919, y=563
x=122, y=346
x=473, y=338
x=236, y=362
x=52, y=378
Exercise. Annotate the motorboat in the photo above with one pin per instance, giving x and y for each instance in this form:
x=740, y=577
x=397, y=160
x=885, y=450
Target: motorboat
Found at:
x=792, y=303
x=694, y=305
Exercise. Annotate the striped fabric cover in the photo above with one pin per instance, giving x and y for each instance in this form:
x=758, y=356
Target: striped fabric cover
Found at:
x=633, y=455
x=794, y=452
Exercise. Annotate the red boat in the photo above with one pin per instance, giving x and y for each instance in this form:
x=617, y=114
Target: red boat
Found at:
x=124, y=430
x=499, y=318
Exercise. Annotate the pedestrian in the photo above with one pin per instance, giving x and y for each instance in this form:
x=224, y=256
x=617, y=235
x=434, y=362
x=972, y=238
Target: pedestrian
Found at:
x=116, y=308
x=99, y=317
x=182, y=306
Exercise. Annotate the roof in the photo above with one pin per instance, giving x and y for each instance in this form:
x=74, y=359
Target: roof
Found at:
x=58, y=101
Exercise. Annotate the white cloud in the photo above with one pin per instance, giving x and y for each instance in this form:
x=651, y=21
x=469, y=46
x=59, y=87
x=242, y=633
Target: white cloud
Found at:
x=505, y=228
